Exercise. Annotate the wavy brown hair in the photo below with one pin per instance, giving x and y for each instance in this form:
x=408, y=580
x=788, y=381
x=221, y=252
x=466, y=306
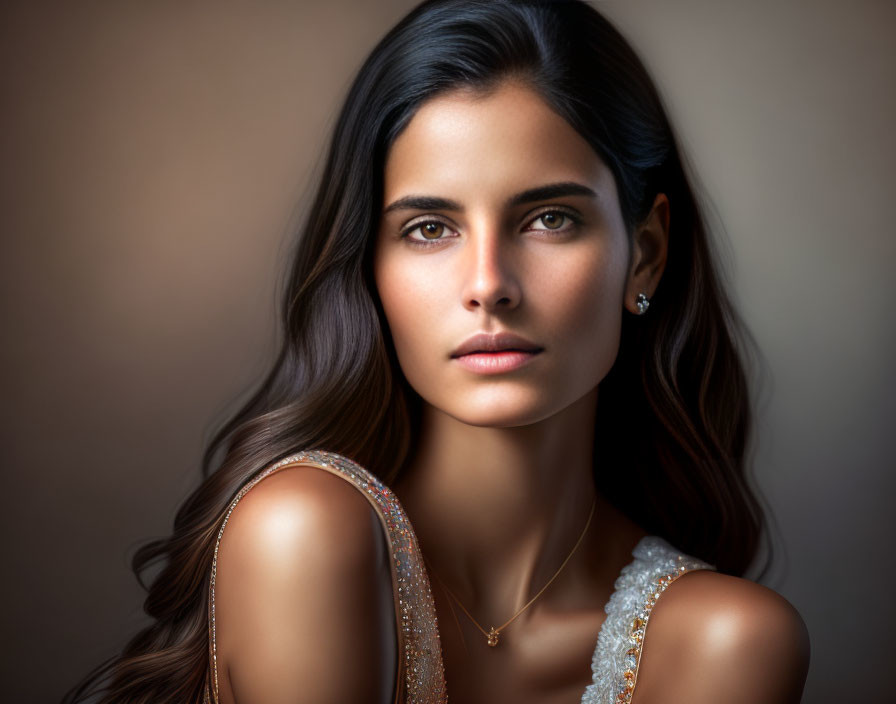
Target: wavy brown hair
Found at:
x=674, y=412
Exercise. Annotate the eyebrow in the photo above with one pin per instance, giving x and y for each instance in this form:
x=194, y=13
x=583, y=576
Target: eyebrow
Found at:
x=532, y=195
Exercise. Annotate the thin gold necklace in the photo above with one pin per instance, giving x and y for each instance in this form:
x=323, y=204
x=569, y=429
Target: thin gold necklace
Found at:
x=491, y=636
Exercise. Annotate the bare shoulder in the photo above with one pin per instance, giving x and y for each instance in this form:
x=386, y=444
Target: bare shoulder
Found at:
x=303, y=596
x=713, y=637
x=308, y=508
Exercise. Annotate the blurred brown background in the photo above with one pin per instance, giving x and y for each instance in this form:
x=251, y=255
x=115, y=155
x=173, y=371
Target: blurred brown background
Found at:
x=154, y=157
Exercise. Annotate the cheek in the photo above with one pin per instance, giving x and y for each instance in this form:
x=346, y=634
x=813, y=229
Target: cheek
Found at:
x=408, y=299
x=595, y=304
x=586, y=304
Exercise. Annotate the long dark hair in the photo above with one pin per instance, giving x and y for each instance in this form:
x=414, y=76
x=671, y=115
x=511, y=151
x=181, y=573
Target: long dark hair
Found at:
x=674, y=412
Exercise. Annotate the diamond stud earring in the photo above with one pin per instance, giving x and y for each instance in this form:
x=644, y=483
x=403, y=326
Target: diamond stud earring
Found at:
x=643, y=304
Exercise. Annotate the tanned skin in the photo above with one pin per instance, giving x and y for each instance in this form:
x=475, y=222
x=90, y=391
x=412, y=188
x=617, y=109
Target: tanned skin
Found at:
x=500, y=484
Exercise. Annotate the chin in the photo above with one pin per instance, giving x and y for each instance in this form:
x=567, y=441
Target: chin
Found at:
x=503, y=413
x=496, y=420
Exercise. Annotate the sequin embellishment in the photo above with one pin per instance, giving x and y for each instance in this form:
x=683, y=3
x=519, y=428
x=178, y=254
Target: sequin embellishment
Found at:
x=640, y=584
x=420, y=669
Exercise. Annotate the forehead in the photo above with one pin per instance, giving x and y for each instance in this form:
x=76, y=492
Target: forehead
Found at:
x=502, y=141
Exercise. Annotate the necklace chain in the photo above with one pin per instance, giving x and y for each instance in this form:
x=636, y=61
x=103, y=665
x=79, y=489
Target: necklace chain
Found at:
x=491, y=636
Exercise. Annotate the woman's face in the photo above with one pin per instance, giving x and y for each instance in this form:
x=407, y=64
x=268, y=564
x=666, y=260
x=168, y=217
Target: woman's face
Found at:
x=498, y=216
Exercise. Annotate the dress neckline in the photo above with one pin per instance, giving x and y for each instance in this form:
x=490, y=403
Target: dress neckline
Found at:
x=603, y=631
x=654, y=565
x=617, y=654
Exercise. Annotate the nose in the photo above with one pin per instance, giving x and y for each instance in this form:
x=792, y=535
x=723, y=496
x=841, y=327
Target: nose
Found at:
x=490, y=279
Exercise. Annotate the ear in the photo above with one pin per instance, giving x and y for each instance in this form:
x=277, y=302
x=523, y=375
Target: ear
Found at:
x=650, y=244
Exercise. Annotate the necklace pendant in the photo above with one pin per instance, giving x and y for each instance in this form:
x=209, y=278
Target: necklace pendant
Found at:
x=493, y=637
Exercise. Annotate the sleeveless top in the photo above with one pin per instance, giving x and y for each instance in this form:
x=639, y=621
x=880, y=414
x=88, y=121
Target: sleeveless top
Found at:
x=420, y=676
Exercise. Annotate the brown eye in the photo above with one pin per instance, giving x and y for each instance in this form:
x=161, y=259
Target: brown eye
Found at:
x=432, y=230
x=432, y=233
x=552, y=221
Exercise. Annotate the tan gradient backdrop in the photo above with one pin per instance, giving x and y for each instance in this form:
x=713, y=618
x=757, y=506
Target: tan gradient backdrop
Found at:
x=153, y=156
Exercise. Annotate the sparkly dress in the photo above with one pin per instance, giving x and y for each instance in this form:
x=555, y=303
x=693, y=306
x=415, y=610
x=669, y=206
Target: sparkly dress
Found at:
x=420, y=674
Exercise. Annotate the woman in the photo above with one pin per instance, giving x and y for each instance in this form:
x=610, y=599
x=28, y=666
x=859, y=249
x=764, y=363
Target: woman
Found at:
x=507, y=348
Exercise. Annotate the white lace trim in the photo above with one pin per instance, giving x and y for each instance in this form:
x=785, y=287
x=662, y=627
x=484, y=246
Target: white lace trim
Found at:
x=640, y=583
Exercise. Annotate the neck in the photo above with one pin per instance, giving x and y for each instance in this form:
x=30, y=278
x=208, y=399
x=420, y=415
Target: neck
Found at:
x=497, y=510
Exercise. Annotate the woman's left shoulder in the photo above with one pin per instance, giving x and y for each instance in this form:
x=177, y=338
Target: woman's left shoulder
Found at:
x=714, y=637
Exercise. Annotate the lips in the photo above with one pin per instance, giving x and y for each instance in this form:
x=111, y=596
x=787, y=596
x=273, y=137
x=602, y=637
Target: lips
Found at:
x=495, y=342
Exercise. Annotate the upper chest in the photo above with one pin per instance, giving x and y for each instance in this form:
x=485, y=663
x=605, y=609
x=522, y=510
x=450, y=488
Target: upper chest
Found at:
x=563, y=656
x=543, y=656
x=543, y=659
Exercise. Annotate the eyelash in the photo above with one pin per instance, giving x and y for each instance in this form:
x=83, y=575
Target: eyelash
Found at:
x=574, y=217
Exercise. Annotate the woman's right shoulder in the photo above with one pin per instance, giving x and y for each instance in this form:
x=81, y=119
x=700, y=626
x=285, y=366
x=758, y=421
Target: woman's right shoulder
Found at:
x=298, y=502
x=303, y=592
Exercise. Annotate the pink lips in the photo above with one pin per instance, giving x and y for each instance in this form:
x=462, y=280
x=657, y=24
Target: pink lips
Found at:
x=495, y=362
x=495, y=353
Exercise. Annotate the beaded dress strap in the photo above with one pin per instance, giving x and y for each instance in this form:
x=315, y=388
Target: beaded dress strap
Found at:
x=640, y=584
x=420, y=676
